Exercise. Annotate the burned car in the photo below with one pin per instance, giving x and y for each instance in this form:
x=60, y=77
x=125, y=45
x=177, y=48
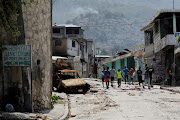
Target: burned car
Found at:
x=71, y=82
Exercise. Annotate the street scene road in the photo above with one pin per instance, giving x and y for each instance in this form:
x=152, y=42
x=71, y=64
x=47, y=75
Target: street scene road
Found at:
x=130, y=102
x=55, y=55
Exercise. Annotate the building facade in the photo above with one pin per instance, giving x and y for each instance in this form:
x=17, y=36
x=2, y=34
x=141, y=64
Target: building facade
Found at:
x=91, y=56
x=30, y=88
x=68, y=41
x=160, y=44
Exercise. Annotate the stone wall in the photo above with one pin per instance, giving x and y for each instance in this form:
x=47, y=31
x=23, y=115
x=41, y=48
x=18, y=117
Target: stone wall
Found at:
x=37, y=22
x=11, y=82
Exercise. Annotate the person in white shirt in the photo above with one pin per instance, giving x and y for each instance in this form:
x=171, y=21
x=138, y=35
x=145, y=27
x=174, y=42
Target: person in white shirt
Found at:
x=112, y=73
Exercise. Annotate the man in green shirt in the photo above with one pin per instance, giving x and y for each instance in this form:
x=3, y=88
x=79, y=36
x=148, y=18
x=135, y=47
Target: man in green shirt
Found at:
x=119, y=76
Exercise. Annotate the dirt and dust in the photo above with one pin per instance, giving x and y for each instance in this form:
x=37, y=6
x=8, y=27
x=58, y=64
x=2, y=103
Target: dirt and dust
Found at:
x=126, y=103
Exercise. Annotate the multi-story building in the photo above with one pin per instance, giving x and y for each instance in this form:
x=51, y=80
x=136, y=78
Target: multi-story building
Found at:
x=160, y=44
x=91, y=55
x=68, y=41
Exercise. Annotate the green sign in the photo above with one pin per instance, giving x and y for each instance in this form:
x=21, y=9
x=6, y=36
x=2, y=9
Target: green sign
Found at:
x=17, y=55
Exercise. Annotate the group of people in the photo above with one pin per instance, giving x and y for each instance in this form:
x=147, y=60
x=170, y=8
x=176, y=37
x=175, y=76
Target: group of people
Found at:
x=109, y=75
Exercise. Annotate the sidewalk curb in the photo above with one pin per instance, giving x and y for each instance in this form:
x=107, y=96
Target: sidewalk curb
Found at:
x=171, y=90
x=66, y=113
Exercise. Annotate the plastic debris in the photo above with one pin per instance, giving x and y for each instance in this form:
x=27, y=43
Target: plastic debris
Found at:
x=131, y=94
x=9, y=108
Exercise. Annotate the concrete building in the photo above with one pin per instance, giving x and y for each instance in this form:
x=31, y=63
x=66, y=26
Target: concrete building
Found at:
x=30, y=88
x=160, y=44
x=91, y=55
x=68, y=41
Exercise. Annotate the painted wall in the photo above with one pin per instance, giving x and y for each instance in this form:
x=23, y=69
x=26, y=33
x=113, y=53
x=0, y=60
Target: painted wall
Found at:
x=131, y=63
x=110, y=65
x=118, y=65
x=125, y=62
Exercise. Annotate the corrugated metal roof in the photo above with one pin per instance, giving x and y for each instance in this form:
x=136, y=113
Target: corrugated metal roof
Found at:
x=102, y=56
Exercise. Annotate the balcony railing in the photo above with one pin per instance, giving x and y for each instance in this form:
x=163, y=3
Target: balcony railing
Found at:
x=164, y=42
x=149, y=50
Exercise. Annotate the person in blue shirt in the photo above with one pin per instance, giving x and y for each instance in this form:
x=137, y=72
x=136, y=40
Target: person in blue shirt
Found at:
x=107, y=77
x=125, y=70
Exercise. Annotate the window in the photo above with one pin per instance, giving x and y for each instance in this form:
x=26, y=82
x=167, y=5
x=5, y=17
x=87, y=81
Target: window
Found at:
x=76, y=31
x=151, y=37
x=56, y=30
x=69, y=31
x=73, y=43
x=156, y=27
x=57, y=42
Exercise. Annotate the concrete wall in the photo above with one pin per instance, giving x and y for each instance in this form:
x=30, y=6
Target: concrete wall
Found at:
x=85, y=52
x=149, y=50
x=37, y=19
x=60, y=50
x=13, y=77
x=72, y=51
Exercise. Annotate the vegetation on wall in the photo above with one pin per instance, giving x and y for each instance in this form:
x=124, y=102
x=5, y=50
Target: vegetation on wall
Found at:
x=9, y=12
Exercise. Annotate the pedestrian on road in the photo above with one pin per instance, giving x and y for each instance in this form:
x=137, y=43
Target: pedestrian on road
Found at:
x=112, y=73
x=139, y=73
x=125, y=70
x=132, y=74
x=147, y=77
x=119, y=76
x=169, y=72
x=151, y=70
x=107, y=77
x=102, y=76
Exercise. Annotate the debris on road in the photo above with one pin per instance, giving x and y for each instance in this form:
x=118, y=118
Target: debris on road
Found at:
x=131, y=94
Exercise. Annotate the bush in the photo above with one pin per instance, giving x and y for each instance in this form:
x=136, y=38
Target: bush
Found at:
x=54, y=98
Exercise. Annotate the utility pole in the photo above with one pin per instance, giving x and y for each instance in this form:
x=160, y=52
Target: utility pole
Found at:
x=173, y=4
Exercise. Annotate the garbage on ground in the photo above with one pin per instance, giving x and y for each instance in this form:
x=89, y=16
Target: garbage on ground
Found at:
x=42, y=116
x=141, y=93
x=131, y=94
x=73, y=115
x=9, y=108
x=93, y=90
x=121, y=91
x=154, y=92
x=156, y=87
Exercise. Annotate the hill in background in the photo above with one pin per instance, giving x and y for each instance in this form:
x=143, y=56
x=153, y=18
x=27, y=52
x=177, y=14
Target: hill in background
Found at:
x=113, y=24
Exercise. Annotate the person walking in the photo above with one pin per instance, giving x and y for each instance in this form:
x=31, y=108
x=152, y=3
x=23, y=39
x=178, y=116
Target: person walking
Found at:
x=119, y=76
x=151, y=70
x=102, y=76
x=106, y=77
x=169, y=73
x=125, y=70
x=132, y=74
x=147, y=77
x=139, y=74
x=112, y=73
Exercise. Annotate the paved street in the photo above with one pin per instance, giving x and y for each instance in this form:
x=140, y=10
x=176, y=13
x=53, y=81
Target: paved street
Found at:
x=126, y=103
